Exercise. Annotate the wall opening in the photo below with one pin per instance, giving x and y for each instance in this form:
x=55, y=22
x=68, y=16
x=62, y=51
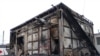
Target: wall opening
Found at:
x=20, y=45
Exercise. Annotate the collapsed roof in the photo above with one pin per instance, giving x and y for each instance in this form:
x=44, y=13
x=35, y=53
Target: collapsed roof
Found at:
x=51, y=10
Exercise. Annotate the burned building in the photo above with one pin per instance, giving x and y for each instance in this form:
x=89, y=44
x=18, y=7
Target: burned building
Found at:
x=58, y=31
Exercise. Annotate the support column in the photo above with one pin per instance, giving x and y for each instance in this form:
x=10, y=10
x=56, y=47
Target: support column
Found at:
x=25, y=43
x=61, y=36
x=16, y=49
x=39, y=37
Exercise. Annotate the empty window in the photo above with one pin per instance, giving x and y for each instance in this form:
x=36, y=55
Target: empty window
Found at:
x=66, y=23
x=44, y=35
x=74, y=35
x=35, y=45
x=75, y=44
x=29, y=46
x=35, y=36
x=67, y=43
x=30, y=38
x=66, y=32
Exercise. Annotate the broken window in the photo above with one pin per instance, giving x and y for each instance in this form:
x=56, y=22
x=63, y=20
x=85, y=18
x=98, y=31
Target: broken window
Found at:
x=29, y=46
x=29, y=31
x=74, y=35
x=75, y=43
x=67, y=43
x=29, y=37
x=35, y=36
x=67, y=32
x=35, y=45
x=45, y=35
x=65, y=22
x=83, y=26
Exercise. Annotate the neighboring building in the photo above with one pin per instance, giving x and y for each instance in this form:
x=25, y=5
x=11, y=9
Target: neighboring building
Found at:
x=97, y=41
x=57, y=31
x=4, y=50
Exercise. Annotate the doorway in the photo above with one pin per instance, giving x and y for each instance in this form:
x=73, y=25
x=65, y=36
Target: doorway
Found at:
x=20, y=46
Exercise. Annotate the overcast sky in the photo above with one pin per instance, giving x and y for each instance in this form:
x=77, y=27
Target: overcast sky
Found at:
x=15, y=12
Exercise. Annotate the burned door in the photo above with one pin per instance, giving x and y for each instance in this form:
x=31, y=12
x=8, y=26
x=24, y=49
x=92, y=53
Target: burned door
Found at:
x=20, y=45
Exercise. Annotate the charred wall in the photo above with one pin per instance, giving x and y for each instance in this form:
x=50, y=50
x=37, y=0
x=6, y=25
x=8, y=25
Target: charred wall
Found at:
x=53, y=36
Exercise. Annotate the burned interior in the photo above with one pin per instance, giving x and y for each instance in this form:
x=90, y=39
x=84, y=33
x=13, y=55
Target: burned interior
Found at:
x=59, y=31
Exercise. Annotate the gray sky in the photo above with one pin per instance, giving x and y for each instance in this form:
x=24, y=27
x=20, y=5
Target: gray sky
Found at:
x=15, y=12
